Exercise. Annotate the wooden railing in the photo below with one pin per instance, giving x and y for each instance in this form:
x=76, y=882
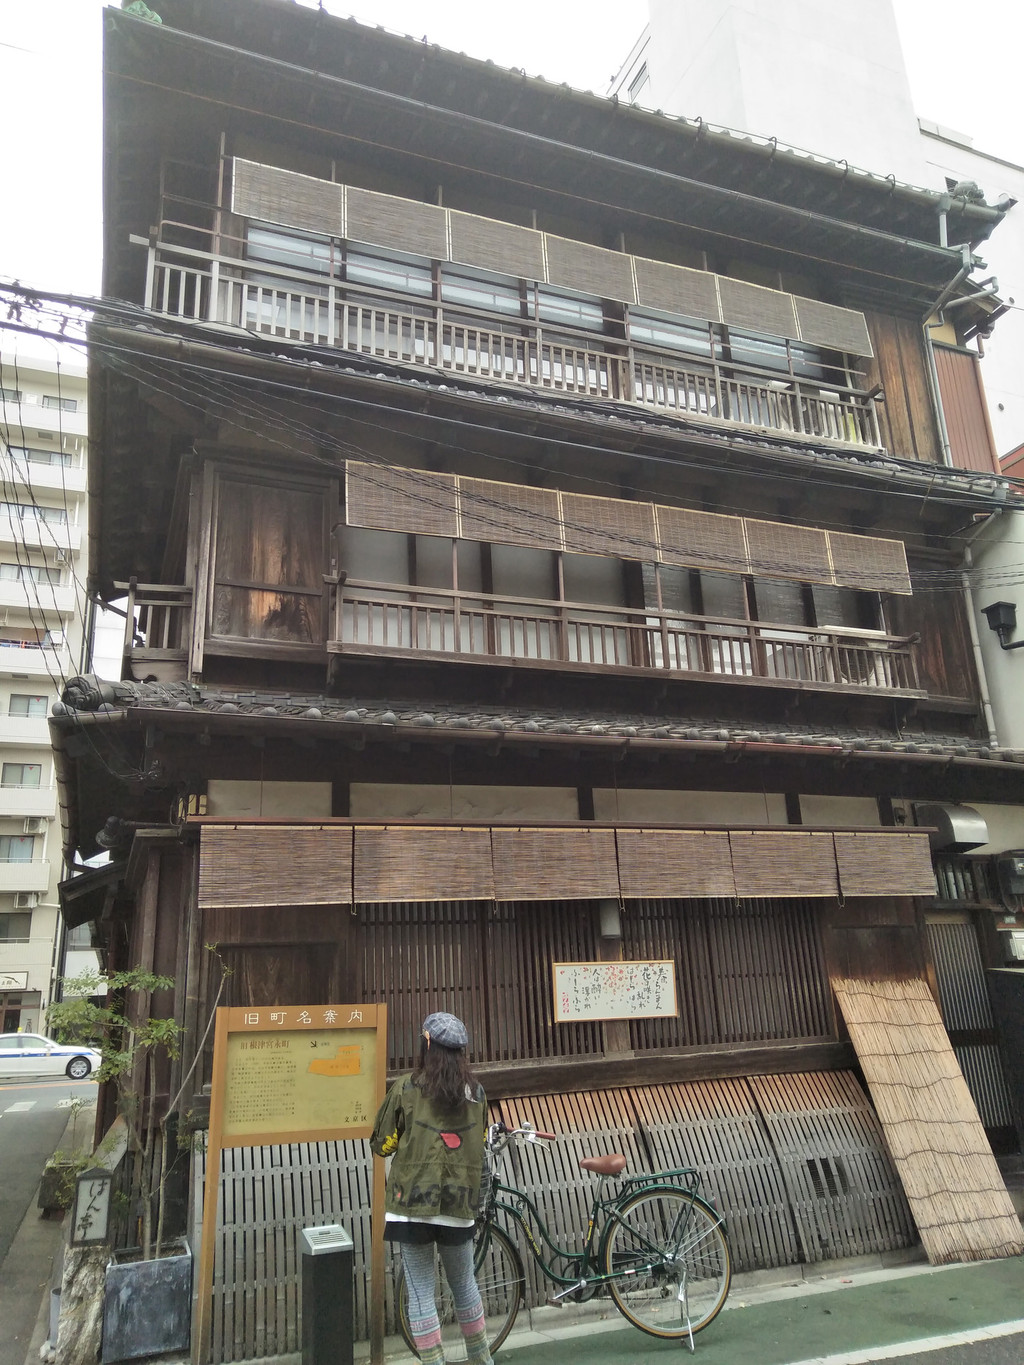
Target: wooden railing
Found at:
x=279, y=302
x=158, y=622
x=389, y=619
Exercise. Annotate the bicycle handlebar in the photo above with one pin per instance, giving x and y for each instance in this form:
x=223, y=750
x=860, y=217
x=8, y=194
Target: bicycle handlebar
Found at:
x=499, y=1135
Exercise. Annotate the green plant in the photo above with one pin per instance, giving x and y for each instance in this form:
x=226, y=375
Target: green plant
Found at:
x=61, y=1171
x=133, y=1044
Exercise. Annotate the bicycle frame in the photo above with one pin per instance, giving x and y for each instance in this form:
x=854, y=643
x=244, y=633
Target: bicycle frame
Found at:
x=584, y=1272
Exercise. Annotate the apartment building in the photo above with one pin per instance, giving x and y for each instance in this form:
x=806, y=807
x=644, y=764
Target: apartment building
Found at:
x=43, y=438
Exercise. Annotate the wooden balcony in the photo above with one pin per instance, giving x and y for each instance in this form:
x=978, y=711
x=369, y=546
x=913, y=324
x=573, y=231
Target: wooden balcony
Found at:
x=385, y=619
x=390, y=619
x=157, y=627
x=284, y=303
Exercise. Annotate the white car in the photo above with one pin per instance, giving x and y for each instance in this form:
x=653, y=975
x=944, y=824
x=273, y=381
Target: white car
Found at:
x=30, y=1054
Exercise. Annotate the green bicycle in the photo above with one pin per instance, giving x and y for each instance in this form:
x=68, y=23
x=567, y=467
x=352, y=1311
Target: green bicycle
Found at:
x=656, y=1245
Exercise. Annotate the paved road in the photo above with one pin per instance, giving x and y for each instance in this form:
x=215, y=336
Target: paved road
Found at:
x=33, y=1115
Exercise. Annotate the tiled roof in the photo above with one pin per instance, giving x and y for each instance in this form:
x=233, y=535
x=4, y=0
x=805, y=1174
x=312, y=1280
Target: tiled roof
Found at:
x=513, y=721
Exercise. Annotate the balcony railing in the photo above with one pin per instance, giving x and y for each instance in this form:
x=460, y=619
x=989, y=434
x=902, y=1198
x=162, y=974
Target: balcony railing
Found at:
x=389, y=619
x=158, y=622
x=192, y=284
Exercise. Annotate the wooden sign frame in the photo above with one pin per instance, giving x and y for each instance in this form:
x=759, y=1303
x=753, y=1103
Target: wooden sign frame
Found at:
x=614, y=973
x=282, y=1037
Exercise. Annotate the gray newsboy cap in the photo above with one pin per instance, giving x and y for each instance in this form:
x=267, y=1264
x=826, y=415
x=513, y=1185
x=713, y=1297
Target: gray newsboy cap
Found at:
x=446, y=1030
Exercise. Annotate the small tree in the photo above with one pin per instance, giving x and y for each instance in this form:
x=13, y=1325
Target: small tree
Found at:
x=130, y=1043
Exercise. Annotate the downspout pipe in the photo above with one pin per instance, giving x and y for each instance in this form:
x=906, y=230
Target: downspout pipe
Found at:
x=966, y=267
x=972, y=625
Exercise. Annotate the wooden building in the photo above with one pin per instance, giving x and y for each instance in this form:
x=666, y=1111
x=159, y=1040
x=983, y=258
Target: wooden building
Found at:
x=545, y=540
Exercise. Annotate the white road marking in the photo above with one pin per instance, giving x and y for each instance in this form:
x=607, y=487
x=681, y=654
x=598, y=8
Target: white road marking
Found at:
x=20, y=1107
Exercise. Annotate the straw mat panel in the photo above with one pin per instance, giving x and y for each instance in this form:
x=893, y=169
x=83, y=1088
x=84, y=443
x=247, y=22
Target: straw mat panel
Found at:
x=956, y=1192
x=420, y=863
x=554, y=864
x=251, y=865
x=889, y=864
x=783, y=863
x=671, y=862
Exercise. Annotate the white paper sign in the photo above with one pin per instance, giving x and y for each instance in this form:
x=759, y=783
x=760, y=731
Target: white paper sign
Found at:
x=614, y=990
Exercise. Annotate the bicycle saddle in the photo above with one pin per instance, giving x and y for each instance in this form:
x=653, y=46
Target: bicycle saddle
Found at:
x=612, y=1164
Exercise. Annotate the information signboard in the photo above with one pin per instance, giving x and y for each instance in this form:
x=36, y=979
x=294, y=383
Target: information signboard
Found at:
x=287, y=1074
x=614, y=990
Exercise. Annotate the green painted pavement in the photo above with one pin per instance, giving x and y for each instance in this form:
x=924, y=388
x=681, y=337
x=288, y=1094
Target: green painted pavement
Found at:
x=902, y=1308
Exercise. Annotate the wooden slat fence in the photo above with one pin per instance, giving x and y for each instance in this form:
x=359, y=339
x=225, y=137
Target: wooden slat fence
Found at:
x=750, y=1138
x=842, y=1187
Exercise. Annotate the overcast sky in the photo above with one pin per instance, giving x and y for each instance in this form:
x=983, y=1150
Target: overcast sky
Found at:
x=961, y=76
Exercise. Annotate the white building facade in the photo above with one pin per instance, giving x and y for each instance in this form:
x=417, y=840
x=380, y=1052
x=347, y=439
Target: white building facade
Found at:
x=798, y=74
x=43, y=438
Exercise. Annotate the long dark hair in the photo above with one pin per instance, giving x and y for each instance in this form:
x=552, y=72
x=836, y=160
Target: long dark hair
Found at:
x=444, y=1075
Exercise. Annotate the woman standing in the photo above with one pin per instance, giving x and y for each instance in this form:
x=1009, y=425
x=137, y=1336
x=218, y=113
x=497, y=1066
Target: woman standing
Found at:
x=433, y=1122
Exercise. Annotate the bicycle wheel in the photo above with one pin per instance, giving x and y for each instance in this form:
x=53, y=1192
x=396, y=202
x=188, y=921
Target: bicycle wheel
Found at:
x=499, y=1273
x=664, y=1242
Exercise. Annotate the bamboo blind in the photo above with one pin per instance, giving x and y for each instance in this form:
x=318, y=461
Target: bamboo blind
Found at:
x=876, y=864
x=757, y=308
x=783, y=863
x=675, y=862
x=959, y=1201
x=273, y=195
x=505, y=248
x=549, y=864
x=589, y=269
x=403, y=224
x=693, y=293
x=838, y=329
x=419, y=501
x=250, y=865
x=419, y=863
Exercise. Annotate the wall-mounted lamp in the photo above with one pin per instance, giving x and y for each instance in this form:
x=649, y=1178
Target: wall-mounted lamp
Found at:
x=609, y=919
x=1002, y=618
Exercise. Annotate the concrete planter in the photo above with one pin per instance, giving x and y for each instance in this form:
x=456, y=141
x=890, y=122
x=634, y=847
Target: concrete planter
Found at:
x=147, y=1305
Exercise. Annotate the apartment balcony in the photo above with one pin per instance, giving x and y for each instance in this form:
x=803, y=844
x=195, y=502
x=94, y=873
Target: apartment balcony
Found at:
x=34, y=597
x=24, y=730
x=20, y=802
x=22, y=659
x=200, y=287
x=32, y=533
x=18, y=472
x=25, y=876
x=385, y=619
x=30, y=418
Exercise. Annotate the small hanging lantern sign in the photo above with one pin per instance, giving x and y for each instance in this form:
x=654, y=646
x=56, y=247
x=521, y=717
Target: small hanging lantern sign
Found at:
x=90, y=1214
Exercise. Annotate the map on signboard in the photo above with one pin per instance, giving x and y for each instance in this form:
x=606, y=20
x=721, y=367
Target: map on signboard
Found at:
x=614, y=990
x=286, y=1082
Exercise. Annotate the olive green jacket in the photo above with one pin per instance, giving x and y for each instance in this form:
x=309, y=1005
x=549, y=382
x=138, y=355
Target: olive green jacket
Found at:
x=438, y=1156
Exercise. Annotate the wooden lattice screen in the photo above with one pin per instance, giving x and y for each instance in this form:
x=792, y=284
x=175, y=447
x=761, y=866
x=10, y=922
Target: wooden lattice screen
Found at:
x=746, y=971
x=796, y=1164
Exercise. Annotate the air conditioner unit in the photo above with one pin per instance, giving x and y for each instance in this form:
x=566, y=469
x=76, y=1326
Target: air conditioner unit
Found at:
x=26, y=900
x=61, y=556
x=34, y=824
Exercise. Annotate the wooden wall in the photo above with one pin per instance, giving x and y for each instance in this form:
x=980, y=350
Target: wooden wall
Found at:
x=971, y=443
x=900, y=366
x=944, y=654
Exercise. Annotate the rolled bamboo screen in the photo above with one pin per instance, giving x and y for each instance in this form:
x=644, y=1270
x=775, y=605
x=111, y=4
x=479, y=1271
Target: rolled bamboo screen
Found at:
x=267, y=864
x=419, y=501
